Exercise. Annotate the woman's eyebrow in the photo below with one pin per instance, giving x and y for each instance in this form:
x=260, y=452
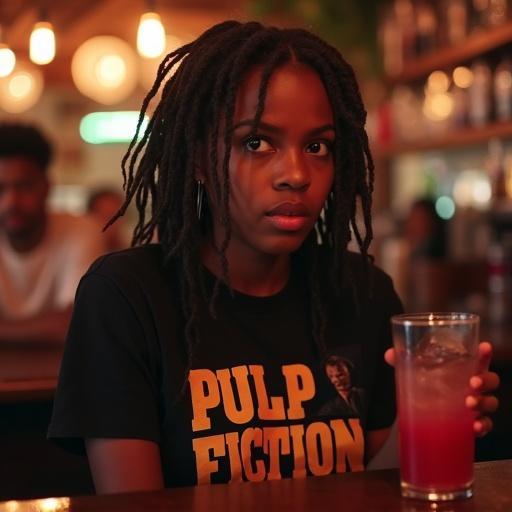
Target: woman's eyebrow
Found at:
x=322, y=129
x=264, y=126
x=276, y=129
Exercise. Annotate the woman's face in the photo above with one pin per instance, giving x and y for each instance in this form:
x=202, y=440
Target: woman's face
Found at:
x=281, y=176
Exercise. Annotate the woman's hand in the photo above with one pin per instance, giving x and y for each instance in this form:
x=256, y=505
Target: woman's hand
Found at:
x=481, y=385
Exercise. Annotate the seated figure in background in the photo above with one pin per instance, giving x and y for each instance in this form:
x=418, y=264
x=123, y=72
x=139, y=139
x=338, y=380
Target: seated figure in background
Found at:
x=429, y=275
x=42, y=254
x=425, y=231
x=102, y=205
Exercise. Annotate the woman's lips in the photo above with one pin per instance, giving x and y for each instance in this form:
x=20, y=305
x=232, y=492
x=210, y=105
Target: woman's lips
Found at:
x=289, y=216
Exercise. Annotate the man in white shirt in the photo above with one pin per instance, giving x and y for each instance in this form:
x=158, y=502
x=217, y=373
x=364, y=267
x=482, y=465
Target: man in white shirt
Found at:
x=42, y=254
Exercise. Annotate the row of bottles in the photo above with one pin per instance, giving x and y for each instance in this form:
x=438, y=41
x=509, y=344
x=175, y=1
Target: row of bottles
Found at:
x=471, y=96
x=499, y=261
x=411, y=28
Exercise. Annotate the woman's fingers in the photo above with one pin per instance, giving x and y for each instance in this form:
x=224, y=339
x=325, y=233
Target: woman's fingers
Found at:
x=485, y=382
x=482, y=426
x=483, y=404
x=484, y=356
x=389, y=356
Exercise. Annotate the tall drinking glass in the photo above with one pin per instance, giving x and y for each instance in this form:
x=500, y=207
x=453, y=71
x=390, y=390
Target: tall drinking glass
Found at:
x=436, y=355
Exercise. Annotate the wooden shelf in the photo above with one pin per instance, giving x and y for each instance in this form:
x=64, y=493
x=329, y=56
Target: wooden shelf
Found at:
x=459, y=138
x=474, y=46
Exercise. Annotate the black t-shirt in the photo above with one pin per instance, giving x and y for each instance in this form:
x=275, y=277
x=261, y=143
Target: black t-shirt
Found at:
x=258, y=402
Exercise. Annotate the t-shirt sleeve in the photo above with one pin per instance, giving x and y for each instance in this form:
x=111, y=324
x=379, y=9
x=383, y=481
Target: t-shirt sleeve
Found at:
x=382, y=410
x=108, y=381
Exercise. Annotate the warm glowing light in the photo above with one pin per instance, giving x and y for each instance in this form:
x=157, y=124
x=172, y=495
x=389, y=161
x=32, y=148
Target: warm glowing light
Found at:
x=438, y=107
x=21, y=84
x=149, y=67
x=7, y=60
x=22, y=89
x=104, y=68
x=110, y=70
x=53, y=504
x=482, y=193
x=437, y=82
x=41, y=505
x=10, y=506
x=472, y=188
x=150, y=35
x=462, y=77
x=42, y=43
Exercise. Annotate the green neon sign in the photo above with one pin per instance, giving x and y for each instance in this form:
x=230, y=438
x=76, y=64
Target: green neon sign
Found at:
x=110, y=127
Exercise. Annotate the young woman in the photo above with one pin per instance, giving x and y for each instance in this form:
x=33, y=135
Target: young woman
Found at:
x=202, y=358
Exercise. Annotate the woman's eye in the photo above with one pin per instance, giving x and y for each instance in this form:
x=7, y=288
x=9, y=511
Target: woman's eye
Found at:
x=319, y=148
x=257, y=144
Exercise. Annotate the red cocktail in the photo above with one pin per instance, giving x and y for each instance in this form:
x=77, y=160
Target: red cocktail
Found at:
x=436, y=427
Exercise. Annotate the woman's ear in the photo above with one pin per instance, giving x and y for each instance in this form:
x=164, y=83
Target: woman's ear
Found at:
x=200, y=165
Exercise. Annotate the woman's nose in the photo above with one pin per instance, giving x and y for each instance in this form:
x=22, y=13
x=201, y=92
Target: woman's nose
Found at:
x=292, y=172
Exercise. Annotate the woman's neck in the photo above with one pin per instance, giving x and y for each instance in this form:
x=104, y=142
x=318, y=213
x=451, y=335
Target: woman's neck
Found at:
x=249, y=272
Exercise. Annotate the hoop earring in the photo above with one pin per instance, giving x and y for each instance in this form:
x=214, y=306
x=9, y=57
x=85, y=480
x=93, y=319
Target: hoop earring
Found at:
x=200, y=197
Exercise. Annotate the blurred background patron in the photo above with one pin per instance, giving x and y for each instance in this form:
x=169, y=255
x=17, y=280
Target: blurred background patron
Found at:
x=42, y=254
x=102, y=205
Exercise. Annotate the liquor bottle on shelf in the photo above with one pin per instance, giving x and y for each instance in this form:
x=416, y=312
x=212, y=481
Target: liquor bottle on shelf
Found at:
x=488, y=13
x=404, y=12
x=480, y=94
x=391, y=43
x=462, y=80
x=406, y=114
x=460, y=106
x=497, y=12
x=499, y=261
x=426, y=27
x=495, y=165
x=503, y=90
x=455, y=16
x=479, y=14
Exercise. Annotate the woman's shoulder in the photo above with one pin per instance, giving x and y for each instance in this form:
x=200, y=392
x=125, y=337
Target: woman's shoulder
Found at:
x=143, y=265
x=357, y=266
x=360, y=277
x=147, y=258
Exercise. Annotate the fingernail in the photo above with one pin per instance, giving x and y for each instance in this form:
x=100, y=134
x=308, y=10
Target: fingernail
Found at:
x=475, y=382
x=471, y=402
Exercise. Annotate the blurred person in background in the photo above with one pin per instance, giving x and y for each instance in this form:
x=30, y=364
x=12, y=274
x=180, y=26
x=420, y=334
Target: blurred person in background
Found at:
x=420, y=244
x=42, y=254
x=428, y=274
x=425, y=231
x=102, y=205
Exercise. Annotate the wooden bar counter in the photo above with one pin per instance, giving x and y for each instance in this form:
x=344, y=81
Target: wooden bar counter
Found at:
x=30, y=466
x=370, y=491
x=28, y=372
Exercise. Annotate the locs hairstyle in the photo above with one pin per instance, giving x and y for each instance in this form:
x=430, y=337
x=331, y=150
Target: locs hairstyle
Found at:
x=196, y=108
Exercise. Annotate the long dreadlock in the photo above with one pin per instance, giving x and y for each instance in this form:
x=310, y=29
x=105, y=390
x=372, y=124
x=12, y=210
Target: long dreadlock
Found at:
x=196, y=106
